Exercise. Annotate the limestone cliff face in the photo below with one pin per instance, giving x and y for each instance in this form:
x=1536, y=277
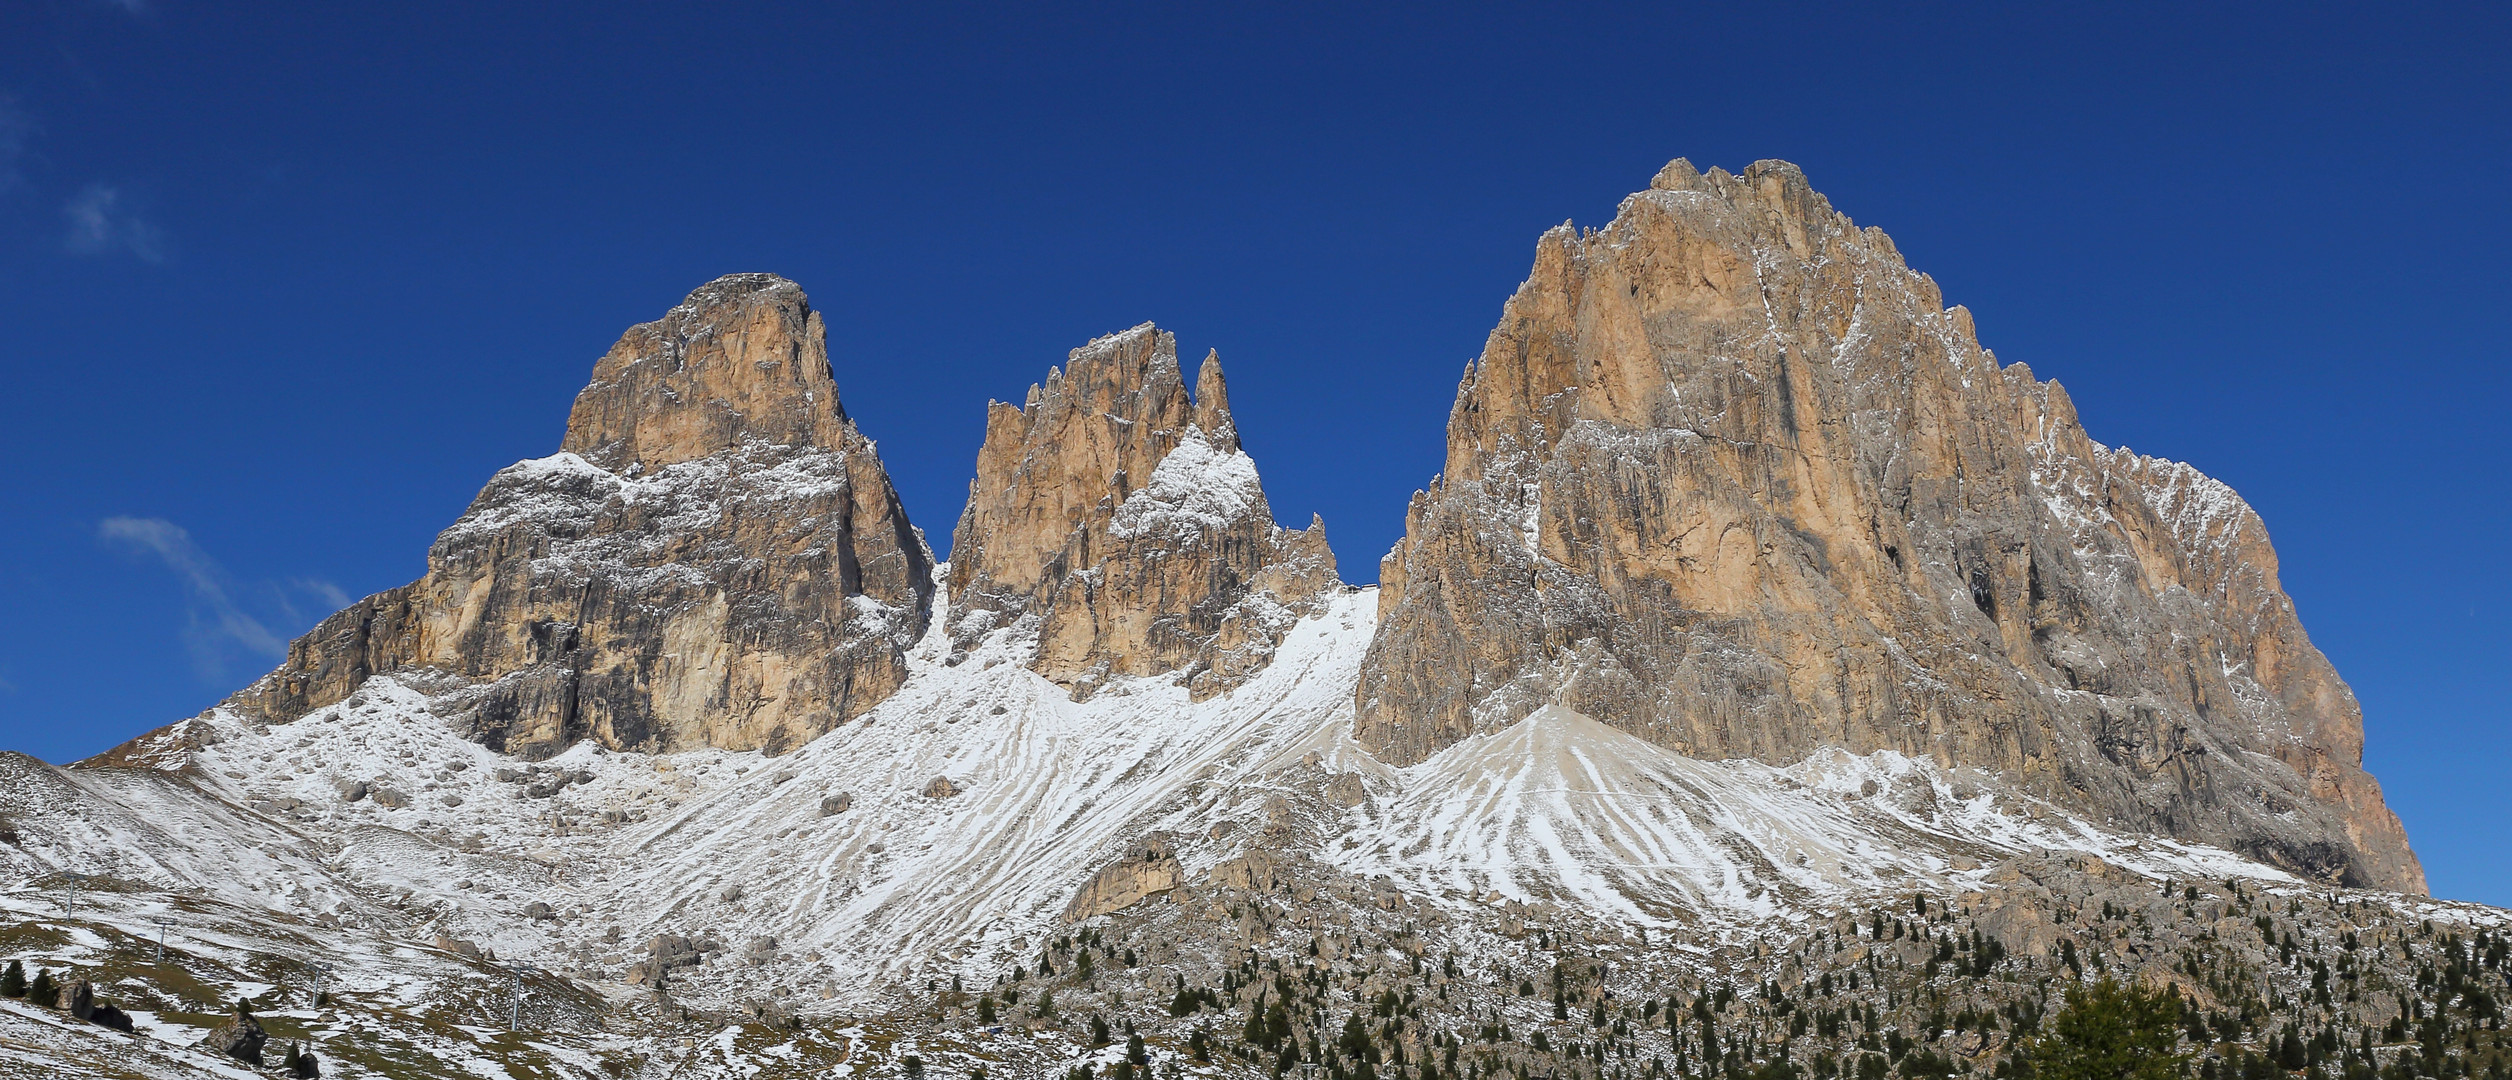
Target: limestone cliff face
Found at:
x=715, y=558
x=1123, y=517
x=1729, y=476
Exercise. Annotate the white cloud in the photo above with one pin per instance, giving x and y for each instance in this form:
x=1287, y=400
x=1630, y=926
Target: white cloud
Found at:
x=219, y=626
x=101, y=225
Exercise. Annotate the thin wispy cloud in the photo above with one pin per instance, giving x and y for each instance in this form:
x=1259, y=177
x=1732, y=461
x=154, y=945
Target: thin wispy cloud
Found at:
x=101, y=223
x=333, y=599
x=218, y=625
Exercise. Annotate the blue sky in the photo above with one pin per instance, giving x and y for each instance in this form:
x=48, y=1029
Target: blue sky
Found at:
x=283, y=285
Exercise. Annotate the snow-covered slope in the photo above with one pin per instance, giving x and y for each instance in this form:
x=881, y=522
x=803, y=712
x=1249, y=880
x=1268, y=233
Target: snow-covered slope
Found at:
x=945, y=832
x=1560, y=808
x=943, y=835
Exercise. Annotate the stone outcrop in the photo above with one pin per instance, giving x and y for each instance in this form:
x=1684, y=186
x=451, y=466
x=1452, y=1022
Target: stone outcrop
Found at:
x=78, y=998
x=666, y=953
x=1255, y=870
x=240, y=1037
x=1148, y=869
x=715, y=558
x=1729, y=476
x=1124, y=518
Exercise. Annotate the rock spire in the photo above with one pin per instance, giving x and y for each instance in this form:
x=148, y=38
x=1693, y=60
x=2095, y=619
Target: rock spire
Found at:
x=1123, y=517
x=1728, y=475
x=715, y=558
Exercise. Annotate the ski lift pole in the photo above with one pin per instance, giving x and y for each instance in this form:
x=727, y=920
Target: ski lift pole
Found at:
x=322, y=978
x=514, y=1005
x=69, y=903
x=160, y=956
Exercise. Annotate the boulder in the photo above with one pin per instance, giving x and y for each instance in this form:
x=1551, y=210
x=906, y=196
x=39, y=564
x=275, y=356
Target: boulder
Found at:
x=664, y=953
x=240, y=1037
x=1149, y=869
x=78, y=998
x=106, y=1016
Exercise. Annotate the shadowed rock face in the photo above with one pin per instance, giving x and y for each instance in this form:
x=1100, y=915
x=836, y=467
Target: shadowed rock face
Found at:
x=1730, y=477
x=1124, y=518
x=715, y=558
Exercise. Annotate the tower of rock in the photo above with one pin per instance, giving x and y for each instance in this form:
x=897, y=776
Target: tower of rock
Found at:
x=715, y=557
x=1120, y=514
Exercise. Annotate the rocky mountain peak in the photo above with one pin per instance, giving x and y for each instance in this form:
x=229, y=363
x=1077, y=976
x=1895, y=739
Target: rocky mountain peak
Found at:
x=1123, y=516
x=1728, y=475
x=1212, y=405
x=716, y=557
x=742, y=359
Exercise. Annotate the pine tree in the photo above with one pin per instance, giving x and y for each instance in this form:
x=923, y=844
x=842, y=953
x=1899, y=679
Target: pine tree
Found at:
x=294, y=1062
x=41, y=991
x=2108, y=1031
x=13, y=981
x=307, y=1067
x=985, y=1009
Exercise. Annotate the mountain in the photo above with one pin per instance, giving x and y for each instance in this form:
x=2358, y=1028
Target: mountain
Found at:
x=1126, y=521
x=1772, y=685
x=1729, y=476
x=714, y=557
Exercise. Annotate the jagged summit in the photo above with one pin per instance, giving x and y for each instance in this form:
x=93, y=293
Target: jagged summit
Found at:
x=743, y=359
x=1729, y=475
x=715, y=558
x=1123, y=516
